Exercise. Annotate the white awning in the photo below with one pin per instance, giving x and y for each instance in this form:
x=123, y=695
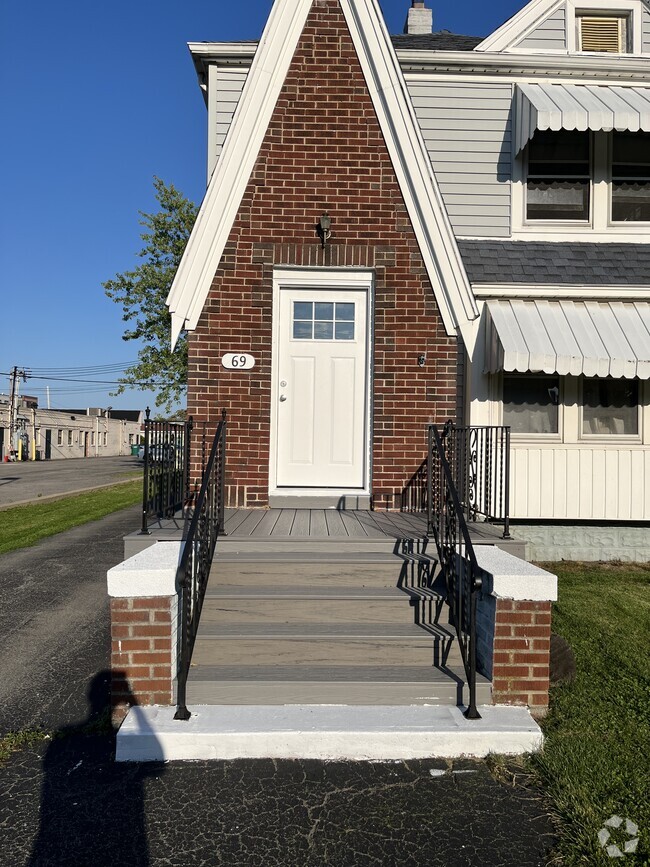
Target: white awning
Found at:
x=593, y=338
x=579, y=107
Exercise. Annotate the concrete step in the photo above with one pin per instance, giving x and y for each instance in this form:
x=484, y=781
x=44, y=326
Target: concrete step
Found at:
x=376, y=733
x=344, y=545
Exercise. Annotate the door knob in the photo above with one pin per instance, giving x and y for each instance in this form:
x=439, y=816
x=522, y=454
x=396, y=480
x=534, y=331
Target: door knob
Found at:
x=283, y=397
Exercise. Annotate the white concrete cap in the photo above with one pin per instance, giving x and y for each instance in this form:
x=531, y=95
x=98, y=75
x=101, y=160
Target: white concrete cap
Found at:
x=508, y=577
x=355, y=733
x=151, y=572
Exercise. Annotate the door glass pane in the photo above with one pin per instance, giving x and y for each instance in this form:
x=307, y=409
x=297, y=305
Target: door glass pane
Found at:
x=302, y=330
x=323, y=330
x=610, y=407
x=345, y=312
x=324, y=312
x=303, y=310
x=345, y=330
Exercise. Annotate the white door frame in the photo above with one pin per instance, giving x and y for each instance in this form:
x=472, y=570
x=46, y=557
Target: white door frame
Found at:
x=321, y=278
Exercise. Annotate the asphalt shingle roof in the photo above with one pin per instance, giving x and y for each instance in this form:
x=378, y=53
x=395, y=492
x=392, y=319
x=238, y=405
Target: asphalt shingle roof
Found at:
x=546, y=262
x=443, y=40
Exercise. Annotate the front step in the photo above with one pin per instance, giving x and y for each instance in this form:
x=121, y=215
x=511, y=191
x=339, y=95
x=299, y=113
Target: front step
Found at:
x=326, y=733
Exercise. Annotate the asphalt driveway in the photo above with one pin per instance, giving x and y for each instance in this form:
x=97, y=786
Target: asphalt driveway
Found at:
x=28, y=481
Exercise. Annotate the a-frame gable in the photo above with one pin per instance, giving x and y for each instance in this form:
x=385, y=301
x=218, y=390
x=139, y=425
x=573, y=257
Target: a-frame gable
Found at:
x=403, y=138
x=522, y=24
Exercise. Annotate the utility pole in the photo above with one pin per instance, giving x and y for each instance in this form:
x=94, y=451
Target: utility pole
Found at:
x=13, y=407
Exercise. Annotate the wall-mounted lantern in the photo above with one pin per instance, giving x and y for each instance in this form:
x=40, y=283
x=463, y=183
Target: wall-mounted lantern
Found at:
x=324, y=228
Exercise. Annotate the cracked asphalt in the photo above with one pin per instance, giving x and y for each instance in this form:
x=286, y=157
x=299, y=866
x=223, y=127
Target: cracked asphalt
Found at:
x=68, y=803
x=65, y=803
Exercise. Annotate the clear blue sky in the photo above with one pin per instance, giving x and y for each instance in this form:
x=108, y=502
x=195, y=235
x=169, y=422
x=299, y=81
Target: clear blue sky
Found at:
x=97, y=98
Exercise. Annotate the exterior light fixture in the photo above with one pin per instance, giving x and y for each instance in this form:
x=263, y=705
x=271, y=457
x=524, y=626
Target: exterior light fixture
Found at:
x=324, y=228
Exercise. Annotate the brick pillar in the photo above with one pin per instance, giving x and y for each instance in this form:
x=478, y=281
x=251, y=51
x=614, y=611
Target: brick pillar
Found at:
x=514, y=628
x=521, y=650
x=144, y=617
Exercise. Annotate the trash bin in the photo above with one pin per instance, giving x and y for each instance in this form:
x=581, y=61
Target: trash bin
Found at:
x=134, y=450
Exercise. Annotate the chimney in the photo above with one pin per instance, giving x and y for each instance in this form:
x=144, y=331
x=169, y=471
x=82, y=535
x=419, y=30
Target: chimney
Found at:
x=420, y=19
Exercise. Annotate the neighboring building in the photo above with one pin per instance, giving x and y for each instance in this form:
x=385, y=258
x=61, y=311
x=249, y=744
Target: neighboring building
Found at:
x=50, y=434
x=404, y=230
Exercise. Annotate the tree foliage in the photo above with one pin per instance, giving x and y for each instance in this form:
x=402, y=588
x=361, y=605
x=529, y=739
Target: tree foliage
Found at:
x=142, y=293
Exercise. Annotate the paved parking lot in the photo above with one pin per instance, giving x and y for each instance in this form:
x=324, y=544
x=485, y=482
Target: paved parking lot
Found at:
x=27, y=481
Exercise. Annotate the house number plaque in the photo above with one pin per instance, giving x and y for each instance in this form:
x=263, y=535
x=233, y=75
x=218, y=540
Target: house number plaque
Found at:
x=238, y=361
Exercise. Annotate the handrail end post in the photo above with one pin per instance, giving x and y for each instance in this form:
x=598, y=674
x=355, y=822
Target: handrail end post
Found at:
x=182, y=713
x=472, y=711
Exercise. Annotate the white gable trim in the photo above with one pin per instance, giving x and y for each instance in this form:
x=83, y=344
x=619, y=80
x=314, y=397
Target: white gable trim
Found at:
x=403, y=138
x=519, y=26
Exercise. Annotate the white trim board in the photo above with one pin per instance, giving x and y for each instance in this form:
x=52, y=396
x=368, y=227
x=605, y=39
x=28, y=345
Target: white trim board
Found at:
x=403, y=138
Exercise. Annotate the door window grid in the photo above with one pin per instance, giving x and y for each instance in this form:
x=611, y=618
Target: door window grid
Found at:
x=323, y=320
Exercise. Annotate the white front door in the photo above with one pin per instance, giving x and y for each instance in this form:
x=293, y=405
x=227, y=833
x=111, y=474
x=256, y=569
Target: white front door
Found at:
x=321, y=388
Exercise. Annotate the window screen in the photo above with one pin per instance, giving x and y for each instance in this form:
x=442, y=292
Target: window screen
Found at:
x=610, y=407
x=558, y=176
x=530, y=403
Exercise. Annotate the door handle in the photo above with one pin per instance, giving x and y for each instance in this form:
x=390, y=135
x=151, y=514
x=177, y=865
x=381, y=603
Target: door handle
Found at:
x=283, y=397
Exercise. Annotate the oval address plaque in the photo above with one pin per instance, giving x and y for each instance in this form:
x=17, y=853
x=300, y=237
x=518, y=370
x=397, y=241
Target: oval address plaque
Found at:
x=238, y=361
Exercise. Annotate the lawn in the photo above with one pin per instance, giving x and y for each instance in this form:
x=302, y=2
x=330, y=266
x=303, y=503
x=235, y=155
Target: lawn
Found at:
x=23, y=526
x=596, y=761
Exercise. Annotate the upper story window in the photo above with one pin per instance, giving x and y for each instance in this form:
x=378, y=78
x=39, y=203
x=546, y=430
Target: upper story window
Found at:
x=583, y=176
x=559, y=176
x=607, y=31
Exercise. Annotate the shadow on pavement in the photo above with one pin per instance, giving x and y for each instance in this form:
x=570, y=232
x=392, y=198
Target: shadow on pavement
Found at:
x=92, y=808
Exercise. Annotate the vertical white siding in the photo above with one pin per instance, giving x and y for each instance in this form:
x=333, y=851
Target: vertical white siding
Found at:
x=550, y=34
x=580, y=482
x=467, y=131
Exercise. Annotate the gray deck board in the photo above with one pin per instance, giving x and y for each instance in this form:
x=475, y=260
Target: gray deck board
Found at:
x=301, y=522
x=335, y=526
x=268, y=523
x=318, y=526
x=285, y=522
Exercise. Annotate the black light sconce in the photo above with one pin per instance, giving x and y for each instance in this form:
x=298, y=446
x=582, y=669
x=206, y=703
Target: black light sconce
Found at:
x=324, y=228
x=421, y=360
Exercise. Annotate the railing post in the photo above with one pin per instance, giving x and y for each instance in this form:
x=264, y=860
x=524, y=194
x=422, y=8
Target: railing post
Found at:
x=430, y=482
x=506, y=486
x=144, y=530
x=222, y=476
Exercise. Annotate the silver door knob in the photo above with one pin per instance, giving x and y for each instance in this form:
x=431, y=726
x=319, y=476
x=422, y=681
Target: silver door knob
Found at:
x=283, y=397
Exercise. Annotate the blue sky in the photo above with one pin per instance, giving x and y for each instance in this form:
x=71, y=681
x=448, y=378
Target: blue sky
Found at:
x=96, y=100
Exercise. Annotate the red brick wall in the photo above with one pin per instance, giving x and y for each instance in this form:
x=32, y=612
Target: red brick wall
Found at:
x=522, y=644
x=141, y=651
x=323, y=151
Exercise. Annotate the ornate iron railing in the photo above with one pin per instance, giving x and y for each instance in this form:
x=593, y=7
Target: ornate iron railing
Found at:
x=166, y=469
x=206, y=525
x=479, y=457
x=446, y=523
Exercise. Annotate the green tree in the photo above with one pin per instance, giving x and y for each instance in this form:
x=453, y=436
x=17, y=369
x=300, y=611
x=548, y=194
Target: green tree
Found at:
x=142, y=293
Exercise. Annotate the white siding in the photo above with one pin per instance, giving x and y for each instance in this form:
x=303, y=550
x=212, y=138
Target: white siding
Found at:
x=645, y=31
x=467, y=131
x=225, y=89
x=580, y=482
x=550, y=34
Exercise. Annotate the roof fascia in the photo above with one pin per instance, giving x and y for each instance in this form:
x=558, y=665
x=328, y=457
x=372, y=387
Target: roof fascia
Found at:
x=233, y=170
x=411, y=163
x=517, y=26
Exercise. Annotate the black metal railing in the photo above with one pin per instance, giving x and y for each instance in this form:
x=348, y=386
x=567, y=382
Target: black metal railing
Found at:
x=479, y=457
x=446, y=523
x=206, y=525
x=166, y=469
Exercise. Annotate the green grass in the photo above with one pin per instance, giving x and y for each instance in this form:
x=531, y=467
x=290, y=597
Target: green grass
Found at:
x=14, y=741
x=596, y=761
x=23, y=526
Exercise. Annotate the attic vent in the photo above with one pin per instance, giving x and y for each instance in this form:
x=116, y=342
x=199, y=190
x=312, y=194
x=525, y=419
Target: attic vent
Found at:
x=602, y=33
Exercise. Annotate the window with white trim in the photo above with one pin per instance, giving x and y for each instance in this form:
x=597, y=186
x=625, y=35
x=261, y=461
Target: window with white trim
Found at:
x=70, y=440
x=59, y=437
x=596, y=179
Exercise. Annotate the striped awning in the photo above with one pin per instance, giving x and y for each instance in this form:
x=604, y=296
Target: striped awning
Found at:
x=579, y=107
x=592, y=338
